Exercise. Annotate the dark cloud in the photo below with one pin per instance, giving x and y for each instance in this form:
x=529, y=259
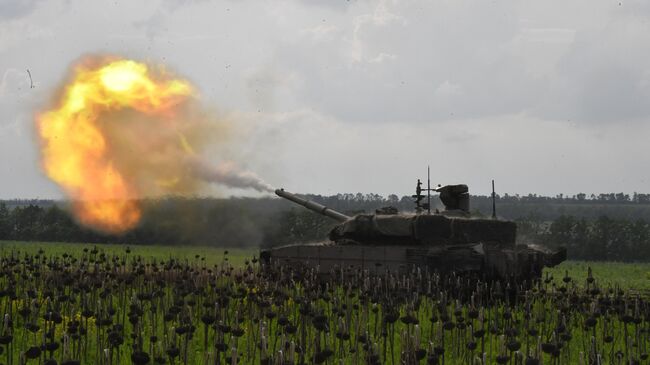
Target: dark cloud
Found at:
x=13, y=9
x=431, y=62
x=393, y=64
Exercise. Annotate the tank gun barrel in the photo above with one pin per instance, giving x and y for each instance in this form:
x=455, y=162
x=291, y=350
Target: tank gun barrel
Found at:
x=318, y=208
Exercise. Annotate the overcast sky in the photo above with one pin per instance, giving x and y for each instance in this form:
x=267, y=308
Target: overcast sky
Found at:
x=335, y=96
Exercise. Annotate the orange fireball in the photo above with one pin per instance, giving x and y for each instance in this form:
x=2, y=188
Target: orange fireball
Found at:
x=76, y=152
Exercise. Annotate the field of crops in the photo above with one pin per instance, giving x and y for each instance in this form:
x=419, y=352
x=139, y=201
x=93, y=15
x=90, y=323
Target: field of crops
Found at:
x=81, y=304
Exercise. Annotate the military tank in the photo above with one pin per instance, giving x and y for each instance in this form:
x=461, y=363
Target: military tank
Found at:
x=442, y=241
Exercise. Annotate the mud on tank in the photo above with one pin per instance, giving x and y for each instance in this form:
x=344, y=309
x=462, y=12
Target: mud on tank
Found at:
x=444, y=241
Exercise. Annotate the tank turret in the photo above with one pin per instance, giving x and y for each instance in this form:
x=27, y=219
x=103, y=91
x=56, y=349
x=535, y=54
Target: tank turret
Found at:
x=450, y=240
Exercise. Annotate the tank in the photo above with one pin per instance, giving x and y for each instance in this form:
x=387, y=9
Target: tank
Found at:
x=442, y=241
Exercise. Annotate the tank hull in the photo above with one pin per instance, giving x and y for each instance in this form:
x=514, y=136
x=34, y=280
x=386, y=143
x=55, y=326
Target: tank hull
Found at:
x=520, y=261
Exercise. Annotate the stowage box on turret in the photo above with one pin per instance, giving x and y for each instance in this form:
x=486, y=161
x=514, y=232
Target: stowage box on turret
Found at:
x=445, y=241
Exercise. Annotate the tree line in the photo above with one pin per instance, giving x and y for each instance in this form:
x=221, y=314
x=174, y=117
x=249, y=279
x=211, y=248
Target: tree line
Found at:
x=594, y=229
x=602, y=239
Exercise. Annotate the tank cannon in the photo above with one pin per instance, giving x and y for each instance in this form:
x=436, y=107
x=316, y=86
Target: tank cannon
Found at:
x=318, y=208
x=446, y=241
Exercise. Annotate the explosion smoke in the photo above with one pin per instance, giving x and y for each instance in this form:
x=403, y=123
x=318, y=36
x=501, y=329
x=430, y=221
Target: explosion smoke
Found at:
x=121, y=130
x=229, y=174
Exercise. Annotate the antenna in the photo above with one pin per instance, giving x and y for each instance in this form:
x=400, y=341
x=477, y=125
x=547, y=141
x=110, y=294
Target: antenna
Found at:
x=494, y=205
x=428, y=190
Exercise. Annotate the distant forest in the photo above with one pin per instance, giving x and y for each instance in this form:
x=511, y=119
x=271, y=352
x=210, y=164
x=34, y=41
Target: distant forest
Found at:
x=596, y=227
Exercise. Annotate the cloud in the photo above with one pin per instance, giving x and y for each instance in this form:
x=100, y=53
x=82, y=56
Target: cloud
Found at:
x=604, y=76
x=547, y=35
x=324, y=87
x=447, y=89
x=16, y=99
x=13, y=9
x=391, y=61
x=322, y=32
x=380, y=16
x=13, y=81
x=13, y=33
x=382, y=57
x=262, y=85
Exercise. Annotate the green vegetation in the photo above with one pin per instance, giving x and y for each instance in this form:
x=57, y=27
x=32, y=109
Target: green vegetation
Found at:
x=615, y=274
x=608, y=274
x=192, y=254
x=603, y=239
x=114, y=304
x=601, y=227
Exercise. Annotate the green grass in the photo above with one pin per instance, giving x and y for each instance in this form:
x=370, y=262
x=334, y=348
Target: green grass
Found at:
x=614, y=274
x=212, y=255
x=123, y=297
x=623, y=275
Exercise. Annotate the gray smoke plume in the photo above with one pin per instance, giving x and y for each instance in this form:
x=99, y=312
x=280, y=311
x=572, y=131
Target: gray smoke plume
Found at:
x=228, y=174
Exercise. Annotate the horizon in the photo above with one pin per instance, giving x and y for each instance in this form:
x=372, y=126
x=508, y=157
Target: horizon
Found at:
x=588, y=196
